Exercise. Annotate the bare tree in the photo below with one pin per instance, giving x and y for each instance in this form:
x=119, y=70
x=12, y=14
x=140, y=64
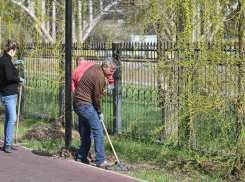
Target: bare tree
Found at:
x=84, y=27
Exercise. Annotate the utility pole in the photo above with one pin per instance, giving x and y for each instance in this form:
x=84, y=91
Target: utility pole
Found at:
x=68, y=57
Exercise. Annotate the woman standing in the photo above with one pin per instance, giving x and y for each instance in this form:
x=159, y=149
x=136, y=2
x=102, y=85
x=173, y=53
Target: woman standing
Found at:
x=9, y=81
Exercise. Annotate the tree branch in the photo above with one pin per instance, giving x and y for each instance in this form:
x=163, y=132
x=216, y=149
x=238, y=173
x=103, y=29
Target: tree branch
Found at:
x=96, y=20
x=32, y=15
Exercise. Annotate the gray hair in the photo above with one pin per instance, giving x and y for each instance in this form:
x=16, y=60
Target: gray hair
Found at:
x=110, y=62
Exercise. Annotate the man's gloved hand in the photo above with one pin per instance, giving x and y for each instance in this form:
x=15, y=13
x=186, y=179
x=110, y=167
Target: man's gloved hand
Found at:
x=21, y=82
x=101, y=116
x=110, y=87
x=18, y=62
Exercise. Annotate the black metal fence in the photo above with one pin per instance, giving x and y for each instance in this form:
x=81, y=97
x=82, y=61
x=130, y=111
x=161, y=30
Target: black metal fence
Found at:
x=152, y=91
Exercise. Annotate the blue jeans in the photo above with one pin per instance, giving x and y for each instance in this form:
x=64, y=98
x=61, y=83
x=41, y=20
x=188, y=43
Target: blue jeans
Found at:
x=80, y=128
x=92, y=126
x=10, y=103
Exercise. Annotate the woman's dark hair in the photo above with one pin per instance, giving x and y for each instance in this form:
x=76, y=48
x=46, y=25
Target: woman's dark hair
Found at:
x=9, y=46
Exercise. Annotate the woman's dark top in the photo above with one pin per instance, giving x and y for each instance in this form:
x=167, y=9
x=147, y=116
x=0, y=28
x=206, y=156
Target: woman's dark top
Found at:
x=8, y=76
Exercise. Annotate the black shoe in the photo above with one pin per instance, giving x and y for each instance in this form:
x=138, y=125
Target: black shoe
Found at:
x=7, y=149
x=84, y=162
x=12, y=147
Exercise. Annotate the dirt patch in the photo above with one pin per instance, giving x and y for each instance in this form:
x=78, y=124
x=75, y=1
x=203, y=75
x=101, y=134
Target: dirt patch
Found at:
x=66, y=153
x=44, y=132
x=70, y=153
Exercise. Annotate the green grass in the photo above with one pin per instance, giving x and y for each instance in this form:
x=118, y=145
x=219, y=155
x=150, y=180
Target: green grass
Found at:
x=166, y=176
x=48, y=147
x=138, y=150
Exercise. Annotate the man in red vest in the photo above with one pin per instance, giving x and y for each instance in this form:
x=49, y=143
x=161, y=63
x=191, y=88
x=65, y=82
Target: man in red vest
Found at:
x=79, y=71
x=87, y=104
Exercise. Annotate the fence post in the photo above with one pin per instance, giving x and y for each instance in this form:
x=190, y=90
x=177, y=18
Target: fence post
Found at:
x=62, y=82
x=161, y=88
x=117, y=95
x=20, y=56
x=68, y=59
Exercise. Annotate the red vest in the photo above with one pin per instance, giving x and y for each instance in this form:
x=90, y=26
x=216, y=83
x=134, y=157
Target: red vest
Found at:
x=78, y=73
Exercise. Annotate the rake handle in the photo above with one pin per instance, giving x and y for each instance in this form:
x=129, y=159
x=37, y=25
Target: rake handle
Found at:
x=110, y=142
x=18, y=115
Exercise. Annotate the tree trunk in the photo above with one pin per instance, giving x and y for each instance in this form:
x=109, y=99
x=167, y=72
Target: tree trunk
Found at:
x=101, y=5
x=80, y=24
x=240, y=110
x=53, y=21
x=43, y=14
x=91, y=17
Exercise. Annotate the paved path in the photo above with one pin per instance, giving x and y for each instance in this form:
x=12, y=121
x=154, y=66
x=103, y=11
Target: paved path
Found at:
x=25, y=165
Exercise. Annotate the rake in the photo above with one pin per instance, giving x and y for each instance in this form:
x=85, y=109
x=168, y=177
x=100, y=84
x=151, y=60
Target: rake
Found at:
x=118, y=162
x=18, y=118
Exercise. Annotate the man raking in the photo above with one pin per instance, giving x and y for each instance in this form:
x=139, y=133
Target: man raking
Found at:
x=87, y=104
